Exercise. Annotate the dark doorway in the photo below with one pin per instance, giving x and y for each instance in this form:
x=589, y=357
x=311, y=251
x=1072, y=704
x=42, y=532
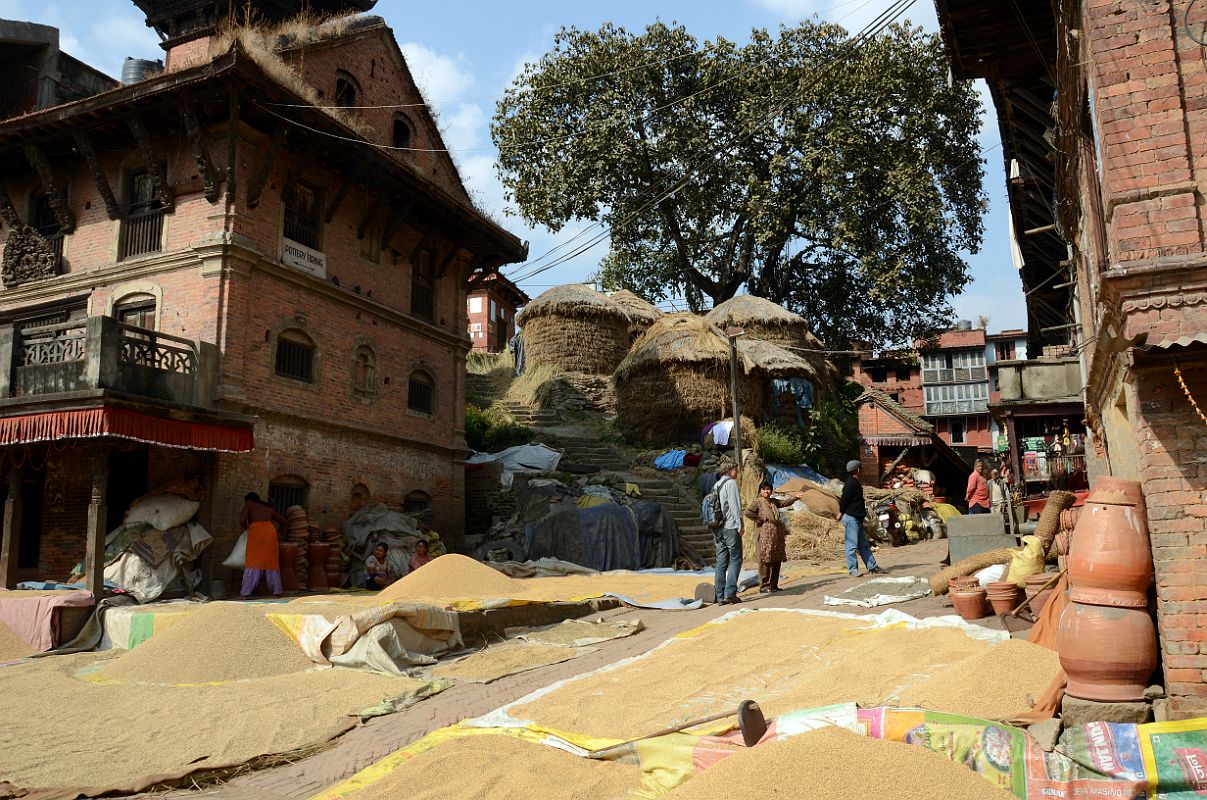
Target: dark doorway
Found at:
x=127, y=482
x=33, y=492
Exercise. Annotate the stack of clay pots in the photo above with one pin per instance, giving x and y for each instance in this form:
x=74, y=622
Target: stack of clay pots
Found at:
x=1003, y=596
x=334, y=566
x=1036, y=592
x=1107, y=641
x=968, y=597
x=298, y=533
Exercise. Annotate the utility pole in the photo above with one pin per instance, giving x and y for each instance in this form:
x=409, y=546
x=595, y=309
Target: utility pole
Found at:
x=733, y=334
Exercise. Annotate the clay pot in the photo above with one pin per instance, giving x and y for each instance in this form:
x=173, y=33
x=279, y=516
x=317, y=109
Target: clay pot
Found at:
x=1003, y=596
x=970, y=604
x=1130, y=488
x=1035, y=591
x=288, y=559
x=317, y=555
x=1109, y=560
x=1108, y=653
x=966, y=583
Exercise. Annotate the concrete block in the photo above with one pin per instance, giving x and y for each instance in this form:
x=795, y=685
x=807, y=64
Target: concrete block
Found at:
x=1075, y=711
x=1046, y=734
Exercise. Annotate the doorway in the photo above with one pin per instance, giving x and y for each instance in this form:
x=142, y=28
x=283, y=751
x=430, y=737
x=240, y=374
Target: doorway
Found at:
x=127, y=482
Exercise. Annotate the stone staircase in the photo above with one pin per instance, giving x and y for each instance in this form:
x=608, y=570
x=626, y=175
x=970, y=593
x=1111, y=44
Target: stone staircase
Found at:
x=590, y=451
x=681, y=504
x=532, y=417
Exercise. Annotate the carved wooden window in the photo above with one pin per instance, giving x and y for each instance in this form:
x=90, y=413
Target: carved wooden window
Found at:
x=295, y=356
x=417, y=502
x=142, y=229
x=42, y=218
x=402, y=133
x=345, y=91
x=423, y=287
x=421, y=392
x=137, y=310
x=364, y=371
x=288, y=490
x=303, y=220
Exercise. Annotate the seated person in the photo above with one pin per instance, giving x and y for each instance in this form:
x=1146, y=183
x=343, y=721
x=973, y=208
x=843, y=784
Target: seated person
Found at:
x=421, y=557
x=378, y=574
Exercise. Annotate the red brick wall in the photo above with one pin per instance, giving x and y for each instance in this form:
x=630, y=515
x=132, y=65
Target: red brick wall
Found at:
x=976, y=431
x=908, y=391
x=1172, y=441
x=487, y=335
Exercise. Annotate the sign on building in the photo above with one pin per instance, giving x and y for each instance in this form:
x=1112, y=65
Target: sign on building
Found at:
x=304, y=258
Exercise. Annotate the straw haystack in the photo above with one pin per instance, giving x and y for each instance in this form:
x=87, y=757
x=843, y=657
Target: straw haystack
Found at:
x=675, y=380
x=575, y=329
x=641, y=314
x=763, y=319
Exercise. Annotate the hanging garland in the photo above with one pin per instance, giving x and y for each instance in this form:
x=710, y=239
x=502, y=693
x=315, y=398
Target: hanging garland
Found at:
x=1186, y=391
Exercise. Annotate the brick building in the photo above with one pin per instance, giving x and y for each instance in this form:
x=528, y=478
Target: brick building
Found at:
x=221, y=254
x=491, y=309
x=897, y=374
x=1104, y=130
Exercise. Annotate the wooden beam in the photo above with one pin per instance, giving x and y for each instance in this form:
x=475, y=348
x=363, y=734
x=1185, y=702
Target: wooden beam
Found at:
x=396, y=218
x=10, y=543
x=155, y=168
x=448, y=260
x=371, y=214
x=54, y=193
x=94, y=558
x=201, y=151
x=232, y=137
x=423, y=242
x=7, y=213
x=84, y=145
x=256, y=187
x=349, y=178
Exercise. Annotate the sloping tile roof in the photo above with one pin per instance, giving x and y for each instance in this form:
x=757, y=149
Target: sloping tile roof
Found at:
x=894, y=408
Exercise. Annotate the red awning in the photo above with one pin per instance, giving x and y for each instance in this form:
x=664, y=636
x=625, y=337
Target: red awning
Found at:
x=93, y=423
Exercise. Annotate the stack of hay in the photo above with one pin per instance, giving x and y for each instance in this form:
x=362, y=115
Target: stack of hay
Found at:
x=298, y=533
x=641, y=314
x=575, y=329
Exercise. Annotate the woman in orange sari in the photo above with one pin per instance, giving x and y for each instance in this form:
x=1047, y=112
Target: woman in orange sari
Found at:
x=260, y=520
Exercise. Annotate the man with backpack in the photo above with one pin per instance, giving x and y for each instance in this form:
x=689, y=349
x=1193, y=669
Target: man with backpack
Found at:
x=722, y=512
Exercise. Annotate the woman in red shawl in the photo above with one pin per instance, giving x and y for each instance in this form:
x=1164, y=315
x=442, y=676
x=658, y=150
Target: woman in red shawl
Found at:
x=765, y=513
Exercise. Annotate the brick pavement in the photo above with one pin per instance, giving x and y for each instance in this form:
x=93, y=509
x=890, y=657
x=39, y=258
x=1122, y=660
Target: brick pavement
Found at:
x=382, y=736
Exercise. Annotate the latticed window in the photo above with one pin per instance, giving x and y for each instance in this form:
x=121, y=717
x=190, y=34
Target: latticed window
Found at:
x=142, y=231
x=421, y=393
x=42, y=219
x=364, y=370
x=303, y=220
x=295, y=356
x=423, y=287
x=416, y=501
x=288, y=490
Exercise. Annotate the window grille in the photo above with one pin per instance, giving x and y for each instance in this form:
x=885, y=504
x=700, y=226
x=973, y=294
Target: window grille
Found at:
x=423, y=287
x=421, y=393
x=302, y=216
x=416, y=502
x=295, y=357
x=288, y=491
x=142, y=232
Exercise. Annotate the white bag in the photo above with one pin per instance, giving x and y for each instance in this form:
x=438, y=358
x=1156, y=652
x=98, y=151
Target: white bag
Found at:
x=238, y=557
x=164, y=511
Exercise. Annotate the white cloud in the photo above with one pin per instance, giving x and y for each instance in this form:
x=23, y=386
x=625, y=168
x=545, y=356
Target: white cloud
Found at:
x=441, y=78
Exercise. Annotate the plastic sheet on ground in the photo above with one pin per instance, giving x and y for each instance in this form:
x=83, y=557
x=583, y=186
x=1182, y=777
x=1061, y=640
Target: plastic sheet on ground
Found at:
x=30, y=614
x=126, y=628
x=521, y=458
x=605, y=537
x=779, y=474
x=159, y=562
x=540, y=568
x=881, y=592
x=581, y=633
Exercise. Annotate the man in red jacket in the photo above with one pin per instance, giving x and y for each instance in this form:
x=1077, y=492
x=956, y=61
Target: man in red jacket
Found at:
x=977, y=493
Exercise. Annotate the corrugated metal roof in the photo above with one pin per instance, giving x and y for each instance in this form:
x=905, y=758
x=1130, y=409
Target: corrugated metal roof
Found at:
x=1182, y=341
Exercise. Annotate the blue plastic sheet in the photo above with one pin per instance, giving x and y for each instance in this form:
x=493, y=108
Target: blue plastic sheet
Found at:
x=672, y=459
x=780, y=474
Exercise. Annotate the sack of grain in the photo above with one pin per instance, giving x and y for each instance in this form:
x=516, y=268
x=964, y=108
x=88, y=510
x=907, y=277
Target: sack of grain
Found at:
x=163, y=511
x=238, y=557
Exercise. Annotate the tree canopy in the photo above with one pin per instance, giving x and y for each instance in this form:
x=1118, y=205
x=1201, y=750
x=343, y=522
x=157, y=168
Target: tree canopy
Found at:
x=841, y=180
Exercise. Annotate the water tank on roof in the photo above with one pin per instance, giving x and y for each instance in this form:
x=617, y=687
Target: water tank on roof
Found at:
x=137, y=69
x=964, y=325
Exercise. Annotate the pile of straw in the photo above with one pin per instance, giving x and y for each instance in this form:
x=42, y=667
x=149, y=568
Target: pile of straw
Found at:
x=575, y=329
x=814, y=537
x=769, y=322
x=641, y=314
x=752, y=474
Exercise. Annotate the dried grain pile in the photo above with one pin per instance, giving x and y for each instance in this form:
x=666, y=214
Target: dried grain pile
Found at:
x=12, y=646
x=451, y=577
x=124, y=737
x=575, y=329
x=813, y=537
x=834, y=764
x=502, y=768
x=503, y=660
x=783, y=660
x=217, y=642
x=999, y=683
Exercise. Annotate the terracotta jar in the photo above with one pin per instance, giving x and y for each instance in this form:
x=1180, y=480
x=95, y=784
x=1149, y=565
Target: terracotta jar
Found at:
x=317, y=574
x=1035, y=591
x=1003, y=596
x=288, y=558
x=1130, y=488
x=969, y=604
x=1110, y=563
x=964, y=584
x=1108, y=653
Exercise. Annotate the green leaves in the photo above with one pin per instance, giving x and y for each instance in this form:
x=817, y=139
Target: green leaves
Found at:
x=840, y=181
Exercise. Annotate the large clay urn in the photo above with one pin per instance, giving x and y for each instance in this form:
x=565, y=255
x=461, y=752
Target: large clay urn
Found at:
x=317, y=575
x=1110, y=563
x=1109, y=654
x=1131, y=489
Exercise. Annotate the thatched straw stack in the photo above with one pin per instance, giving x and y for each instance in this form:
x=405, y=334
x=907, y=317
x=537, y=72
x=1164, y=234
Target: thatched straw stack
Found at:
x=641, y=314
x=763, y=319
x=575, y=329
x=675, y=380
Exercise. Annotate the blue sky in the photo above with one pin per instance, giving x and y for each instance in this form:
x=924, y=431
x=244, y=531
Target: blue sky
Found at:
x=465, y=54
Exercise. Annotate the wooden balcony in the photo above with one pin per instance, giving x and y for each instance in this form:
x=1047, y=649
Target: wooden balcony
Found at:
x=101, y=355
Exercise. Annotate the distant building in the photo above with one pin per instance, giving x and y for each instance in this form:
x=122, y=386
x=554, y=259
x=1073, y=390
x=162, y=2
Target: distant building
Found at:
x=895, y=373
x=37, y=74
x=1009, y=345
x=491, y=309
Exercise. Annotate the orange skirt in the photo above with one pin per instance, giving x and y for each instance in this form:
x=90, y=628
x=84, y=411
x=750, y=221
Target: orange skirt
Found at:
x=263, y=550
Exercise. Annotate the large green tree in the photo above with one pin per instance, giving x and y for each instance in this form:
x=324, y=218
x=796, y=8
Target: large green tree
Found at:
x=839, y=178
